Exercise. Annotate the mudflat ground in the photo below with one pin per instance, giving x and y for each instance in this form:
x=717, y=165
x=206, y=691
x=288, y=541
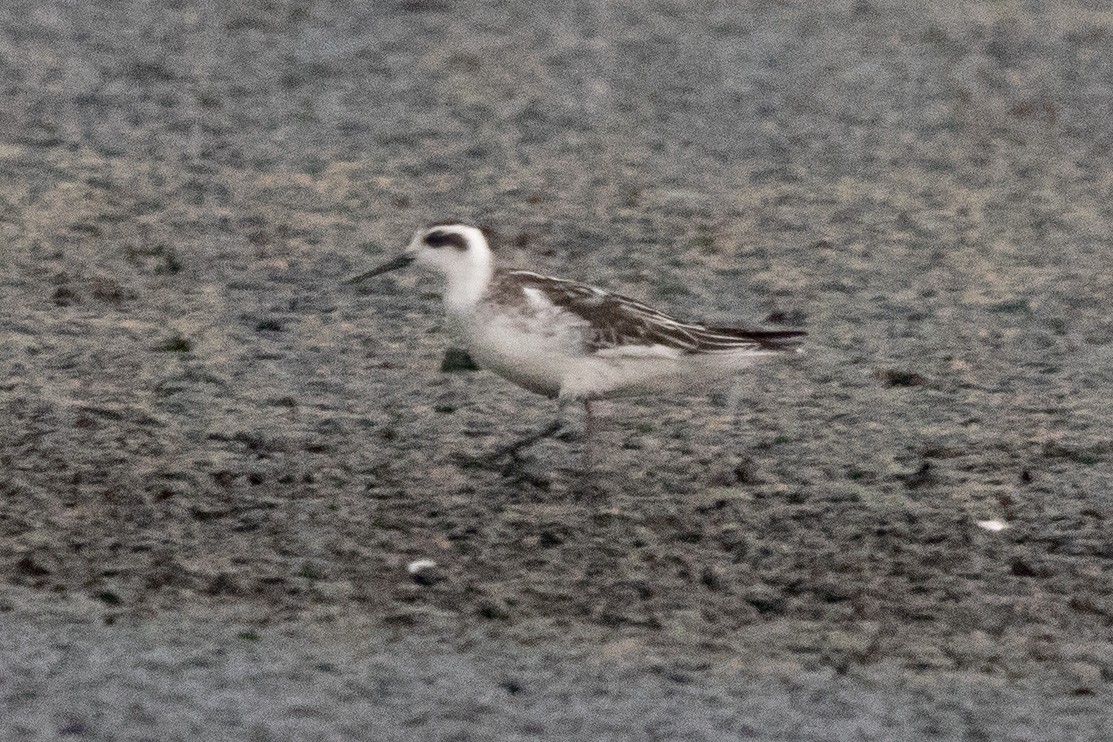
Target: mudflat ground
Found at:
x=217, y=460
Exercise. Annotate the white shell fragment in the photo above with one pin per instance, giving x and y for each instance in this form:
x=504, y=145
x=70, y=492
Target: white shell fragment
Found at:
x=420, y=565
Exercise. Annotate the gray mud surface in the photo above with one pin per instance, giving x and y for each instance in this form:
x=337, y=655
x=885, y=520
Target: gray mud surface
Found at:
x=217, y=460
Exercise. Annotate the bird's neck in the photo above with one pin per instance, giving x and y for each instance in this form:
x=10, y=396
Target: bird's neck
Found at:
x=466, y=288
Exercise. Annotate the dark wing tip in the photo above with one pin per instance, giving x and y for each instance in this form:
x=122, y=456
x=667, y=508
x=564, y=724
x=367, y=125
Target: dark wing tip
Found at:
x=766, y=339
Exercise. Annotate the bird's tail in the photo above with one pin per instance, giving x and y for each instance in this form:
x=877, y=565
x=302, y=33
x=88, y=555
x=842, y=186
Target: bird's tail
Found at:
x=770, y=340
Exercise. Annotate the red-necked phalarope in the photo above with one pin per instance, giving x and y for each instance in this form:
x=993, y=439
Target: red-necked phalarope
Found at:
x=572, y=341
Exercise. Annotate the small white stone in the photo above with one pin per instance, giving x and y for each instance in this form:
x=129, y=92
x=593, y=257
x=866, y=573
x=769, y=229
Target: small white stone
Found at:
x=992, y=525
x=421, y=564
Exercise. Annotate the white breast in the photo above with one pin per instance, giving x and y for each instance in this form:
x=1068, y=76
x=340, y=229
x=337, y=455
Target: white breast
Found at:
x=535, y=352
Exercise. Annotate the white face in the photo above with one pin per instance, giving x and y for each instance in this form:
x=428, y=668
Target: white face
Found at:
x=457, y=251
x=448, y=248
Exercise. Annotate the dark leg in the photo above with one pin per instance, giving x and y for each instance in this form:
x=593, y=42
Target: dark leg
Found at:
x=589, y=427
x=512, y=449
x=586, y=487
x=549, y=430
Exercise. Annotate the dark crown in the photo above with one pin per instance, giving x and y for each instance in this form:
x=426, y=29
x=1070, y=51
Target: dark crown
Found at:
x=437, y=237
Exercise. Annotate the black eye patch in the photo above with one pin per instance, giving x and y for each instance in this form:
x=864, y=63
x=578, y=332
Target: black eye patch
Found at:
x=440, y=238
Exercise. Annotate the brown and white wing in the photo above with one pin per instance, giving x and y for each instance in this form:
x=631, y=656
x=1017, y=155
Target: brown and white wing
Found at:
x=614, y=323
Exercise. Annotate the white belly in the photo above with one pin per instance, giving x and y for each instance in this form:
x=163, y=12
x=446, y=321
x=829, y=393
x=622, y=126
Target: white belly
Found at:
x=550, y=359
x=537, y=361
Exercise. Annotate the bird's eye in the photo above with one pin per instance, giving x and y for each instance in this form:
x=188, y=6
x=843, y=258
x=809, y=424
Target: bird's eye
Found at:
x=441, y=238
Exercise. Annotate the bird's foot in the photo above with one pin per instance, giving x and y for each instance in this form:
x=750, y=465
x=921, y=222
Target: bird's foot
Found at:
x=511, y=451
x=491, y=460
x=568, y=435
x=510, y=466
x=577, y=484
x=584, y=487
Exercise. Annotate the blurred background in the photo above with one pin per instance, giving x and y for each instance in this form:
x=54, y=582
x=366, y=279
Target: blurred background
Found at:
x=216, y=458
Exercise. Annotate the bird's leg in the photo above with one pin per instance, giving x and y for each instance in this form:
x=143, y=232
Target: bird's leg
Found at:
x=512, y=449
x=734, y=396
x=559, y=427
x=589, y=427
x=586, y=487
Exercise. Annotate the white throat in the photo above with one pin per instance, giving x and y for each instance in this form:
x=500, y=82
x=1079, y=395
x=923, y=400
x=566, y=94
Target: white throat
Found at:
x=468, y=283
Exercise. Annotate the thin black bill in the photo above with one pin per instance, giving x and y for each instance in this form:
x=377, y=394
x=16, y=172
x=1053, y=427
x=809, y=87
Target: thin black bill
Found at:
x=399, y=262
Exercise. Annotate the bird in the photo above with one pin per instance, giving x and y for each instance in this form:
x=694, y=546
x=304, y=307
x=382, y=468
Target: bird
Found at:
x=572, y=341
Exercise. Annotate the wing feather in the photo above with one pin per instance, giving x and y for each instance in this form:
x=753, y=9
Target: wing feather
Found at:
x=613, y=321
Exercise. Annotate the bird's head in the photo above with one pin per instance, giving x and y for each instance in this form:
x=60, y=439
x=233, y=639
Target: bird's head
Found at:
x=457, y=251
